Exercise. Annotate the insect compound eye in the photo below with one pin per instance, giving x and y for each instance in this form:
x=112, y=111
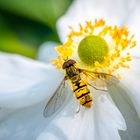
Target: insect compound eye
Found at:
x=68, y=63
x=71, y=62
x=65, y=65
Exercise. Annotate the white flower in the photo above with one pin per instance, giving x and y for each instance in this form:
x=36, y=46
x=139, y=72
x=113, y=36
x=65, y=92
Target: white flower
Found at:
x=27, y=85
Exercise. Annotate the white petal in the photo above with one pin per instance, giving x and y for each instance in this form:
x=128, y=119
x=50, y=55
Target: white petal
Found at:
x=47, y=52
x=127, y=98
x=101, y=122
x=24, y=124
x=133, y=23
x=131, y=82
x=119, y=94
x=114, y=12
x=24, y=81
x=25, y=89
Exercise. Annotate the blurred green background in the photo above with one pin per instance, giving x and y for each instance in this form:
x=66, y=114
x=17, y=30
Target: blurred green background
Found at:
x=26, y=24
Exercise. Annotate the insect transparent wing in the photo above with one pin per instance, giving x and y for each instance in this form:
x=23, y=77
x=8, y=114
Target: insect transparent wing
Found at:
x=107, y=78
x=56, y=101
x=100, y=80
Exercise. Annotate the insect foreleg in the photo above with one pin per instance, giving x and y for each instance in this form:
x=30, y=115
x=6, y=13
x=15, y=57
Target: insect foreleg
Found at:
x=80, y=70
x=66, y=78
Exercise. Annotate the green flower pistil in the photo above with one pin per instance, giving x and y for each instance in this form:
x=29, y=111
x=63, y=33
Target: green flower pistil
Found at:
x=91, y=49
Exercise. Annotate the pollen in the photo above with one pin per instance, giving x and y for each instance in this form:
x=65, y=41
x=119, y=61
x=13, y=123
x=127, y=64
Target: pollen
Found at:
x=100, y=47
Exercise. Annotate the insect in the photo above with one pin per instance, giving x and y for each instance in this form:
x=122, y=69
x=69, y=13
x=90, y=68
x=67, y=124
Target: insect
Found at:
x=79, y=86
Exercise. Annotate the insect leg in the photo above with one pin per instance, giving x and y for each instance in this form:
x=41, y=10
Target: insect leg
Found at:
x=96, y=88
x=66, y=78
x=80, y=70
x=78, y=109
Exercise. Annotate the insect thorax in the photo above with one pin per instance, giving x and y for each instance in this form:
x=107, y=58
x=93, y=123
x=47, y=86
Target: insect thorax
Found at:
x=72, y=73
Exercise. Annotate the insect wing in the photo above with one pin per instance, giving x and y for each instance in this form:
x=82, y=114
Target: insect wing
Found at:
x=107, y=78
x=100, y=80
x=56, y=101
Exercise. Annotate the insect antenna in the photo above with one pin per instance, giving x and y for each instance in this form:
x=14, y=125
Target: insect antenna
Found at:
x=65, y=59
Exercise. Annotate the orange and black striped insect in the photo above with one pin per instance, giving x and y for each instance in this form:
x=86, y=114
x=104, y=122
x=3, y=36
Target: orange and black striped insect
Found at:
x=79, y=86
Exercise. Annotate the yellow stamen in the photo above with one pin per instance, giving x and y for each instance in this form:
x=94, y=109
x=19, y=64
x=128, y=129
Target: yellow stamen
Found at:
x=118, y=39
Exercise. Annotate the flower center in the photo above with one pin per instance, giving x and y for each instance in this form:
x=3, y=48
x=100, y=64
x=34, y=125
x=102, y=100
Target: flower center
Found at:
x=91, y=49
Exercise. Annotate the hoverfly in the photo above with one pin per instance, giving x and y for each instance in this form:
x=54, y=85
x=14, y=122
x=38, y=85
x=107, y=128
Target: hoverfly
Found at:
x=79, y=86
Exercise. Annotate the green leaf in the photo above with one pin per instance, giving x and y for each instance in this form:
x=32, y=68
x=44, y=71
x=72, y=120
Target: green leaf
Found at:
x=9, y=42
x=46, y=11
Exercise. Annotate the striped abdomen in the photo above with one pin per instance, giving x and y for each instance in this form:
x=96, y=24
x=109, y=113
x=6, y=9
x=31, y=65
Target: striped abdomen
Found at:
x=82, y=93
